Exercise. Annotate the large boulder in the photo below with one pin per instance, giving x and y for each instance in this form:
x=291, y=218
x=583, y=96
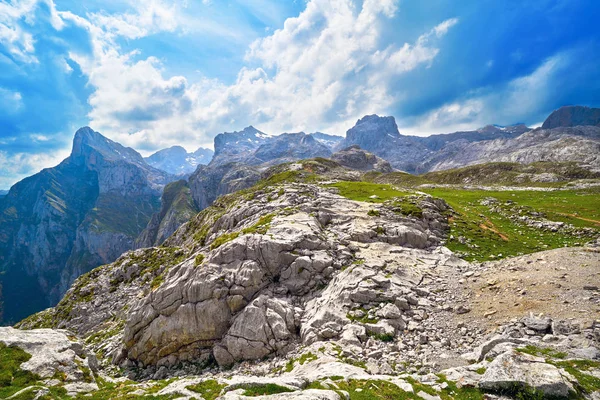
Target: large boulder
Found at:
x=53, y=353
x=513, y=371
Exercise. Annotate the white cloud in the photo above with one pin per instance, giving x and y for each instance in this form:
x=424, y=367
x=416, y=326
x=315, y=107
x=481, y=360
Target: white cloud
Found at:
x=323, y=70
x=508, y=104
x=147, y=17
x=20, y=165
x=17, y=40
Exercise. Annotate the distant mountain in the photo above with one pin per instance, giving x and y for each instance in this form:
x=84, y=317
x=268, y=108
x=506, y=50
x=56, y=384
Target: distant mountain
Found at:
x=3, y=193
x=66, y=220
x=570, y=116
x=238, y=146
x=515, y=143
x=580, y=144
x=489, y=132
x=177, y=161
x=380, y=136
x=241, y=156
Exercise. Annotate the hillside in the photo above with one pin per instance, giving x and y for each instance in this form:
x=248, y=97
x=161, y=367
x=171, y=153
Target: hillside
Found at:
x=314, y=282
x=66, y=220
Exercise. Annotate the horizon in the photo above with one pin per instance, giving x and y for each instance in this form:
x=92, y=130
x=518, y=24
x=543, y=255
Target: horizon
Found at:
x=150, y=153
x=165, y=73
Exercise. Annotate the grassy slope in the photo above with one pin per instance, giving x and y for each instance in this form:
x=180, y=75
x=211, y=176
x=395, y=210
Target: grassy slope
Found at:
x=501, y=236
x=478, y=233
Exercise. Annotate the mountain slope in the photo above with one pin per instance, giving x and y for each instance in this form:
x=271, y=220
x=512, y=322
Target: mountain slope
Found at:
x=68, y=219
x=570, y=116
x=177, y=207
x=580, y=144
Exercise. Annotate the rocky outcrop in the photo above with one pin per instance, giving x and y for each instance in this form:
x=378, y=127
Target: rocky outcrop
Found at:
x=252, y=278
x=55, y=357
x=355, y=158
x=177, y=161
x=71, y=218
x=380, y=136
x=570, y=116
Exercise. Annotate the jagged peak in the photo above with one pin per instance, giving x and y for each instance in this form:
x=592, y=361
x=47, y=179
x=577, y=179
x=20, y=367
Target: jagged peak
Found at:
x=87, y=140
x=375, y=125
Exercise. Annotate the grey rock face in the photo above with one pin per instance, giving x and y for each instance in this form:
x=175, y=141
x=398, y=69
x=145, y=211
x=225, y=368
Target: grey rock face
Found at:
x=356, y=158
x=52, y=353
x=580, y=144
x=516, y=369
x=380, y=136
x=177, y=161
x=570, y=116
x=258, y=282
x=71, y=218
x=177, y=207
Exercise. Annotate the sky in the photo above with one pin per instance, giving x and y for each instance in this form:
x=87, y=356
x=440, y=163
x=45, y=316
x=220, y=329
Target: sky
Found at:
x=155, y=73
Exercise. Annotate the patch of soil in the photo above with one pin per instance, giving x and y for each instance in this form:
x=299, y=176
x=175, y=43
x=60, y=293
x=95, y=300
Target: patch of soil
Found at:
x=562, y=283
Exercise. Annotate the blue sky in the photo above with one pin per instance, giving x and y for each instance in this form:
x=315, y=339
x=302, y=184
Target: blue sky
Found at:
x=155, y=73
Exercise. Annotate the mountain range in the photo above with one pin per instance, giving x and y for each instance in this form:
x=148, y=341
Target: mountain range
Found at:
x=105, y=199
x=177, y=161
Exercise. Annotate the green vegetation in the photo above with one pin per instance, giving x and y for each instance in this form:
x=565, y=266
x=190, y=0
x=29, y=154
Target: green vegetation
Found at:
x=542, y=352
x=116, y=213
x=478, y=233
x=374, y=213
x=587, y=383
x=198, y=260
x=224, y=238
x=261, y=226
x=12, y=377
x=407, y=206
x=366, y=191
x=151, y=260
x=209, y=389
x=266, y=389
x=366, y=318
x=304, y=358
x=384, y=337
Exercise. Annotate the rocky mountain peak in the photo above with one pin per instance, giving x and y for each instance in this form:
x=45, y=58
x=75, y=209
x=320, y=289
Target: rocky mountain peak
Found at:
x=569, y=116
x=248, y=138
x=374, y=126
x=87, y=142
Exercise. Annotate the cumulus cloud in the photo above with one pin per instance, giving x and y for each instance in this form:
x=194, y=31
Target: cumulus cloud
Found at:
x=322, y=70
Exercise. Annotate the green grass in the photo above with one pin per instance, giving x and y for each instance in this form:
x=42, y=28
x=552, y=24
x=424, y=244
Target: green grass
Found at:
x=224, y=238
x=587, y=383
x=209, y=389
x=198, y=260
x=489, y=233
x=362, y=191
x=304, y=358
x=407, y=206
x=12, y=377
x=542, y=352
x=261, y=226
x=373, y=213
x=266, y=389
